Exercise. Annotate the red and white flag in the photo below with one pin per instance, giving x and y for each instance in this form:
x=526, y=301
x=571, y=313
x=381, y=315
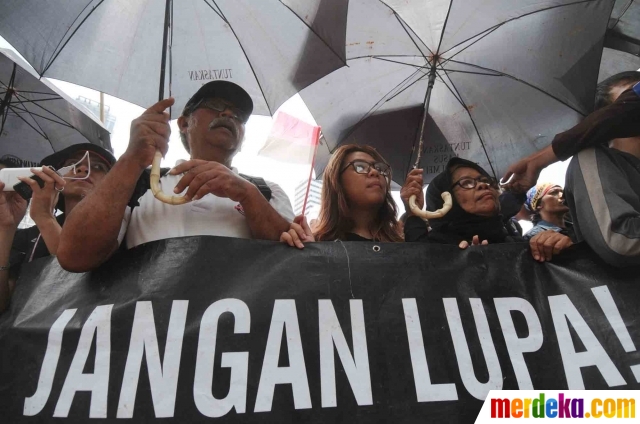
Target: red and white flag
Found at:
x=294, y=141
x=291, y=140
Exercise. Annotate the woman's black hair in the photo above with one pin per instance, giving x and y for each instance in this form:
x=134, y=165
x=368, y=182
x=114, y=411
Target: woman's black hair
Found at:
x=603, y=90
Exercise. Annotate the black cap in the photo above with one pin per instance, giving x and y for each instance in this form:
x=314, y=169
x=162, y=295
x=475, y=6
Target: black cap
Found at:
x=58, y=158
x=225, y=90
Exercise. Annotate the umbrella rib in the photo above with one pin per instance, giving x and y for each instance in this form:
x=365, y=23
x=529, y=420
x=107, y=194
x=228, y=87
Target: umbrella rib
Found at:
x=407, y=87
x=376, y=106
x=480, y=38
x=217, y=10
x=248, y=61
x=62, y=121
x=484, y=148
x=378, y=56
x=32, y=114
x=493, y=28
x=42, y=134
x=316, y=34
x=39, y=100
x=444, y=26
x=69, y=28
x=523, y=82
x=5, y=113
x=41, y=93
x=401, y=63
x=626, y=9
x=453, y=93
x=452, y=71
x=404, y=26
x=384, y=98
x=59, y=50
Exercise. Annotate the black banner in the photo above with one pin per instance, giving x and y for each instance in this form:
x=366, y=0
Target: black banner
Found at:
x=246, y=331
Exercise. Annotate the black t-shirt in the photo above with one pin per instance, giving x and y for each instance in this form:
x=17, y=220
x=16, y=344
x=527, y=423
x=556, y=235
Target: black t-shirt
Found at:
x=355, y=237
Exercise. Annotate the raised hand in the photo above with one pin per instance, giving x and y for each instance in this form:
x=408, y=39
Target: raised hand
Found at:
x=150, y=132
x=523, y=175
x=413, y=187
x=12, y=208
x=44, y=198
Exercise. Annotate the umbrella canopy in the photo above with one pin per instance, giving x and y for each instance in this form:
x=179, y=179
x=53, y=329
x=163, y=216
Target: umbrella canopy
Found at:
x=135, y=49
x=624, y=27
x=507, y=76
x=38, y=118
x=401, y=126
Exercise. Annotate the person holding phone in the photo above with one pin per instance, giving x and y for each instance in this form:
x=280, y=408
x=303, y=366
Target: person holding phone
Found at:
x=85, y=167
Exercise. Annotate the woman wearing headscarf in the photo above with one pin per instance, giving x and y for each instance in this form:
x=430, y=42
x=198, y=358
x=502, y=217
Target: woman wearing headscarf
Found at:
x=356, y=201
x=61, y=192
x=475, y=216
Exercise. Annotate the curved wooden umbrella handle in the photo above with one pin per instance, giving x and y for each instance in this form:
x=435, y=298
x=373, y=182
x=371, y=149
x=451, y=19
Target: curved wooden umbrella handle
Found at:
x=156, y=188
x=427, y=215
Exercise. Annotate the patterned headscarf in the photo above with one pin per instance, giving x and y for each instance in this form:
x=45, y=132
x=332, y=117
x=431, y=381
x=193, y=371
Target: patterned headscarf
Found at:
x=536, y=193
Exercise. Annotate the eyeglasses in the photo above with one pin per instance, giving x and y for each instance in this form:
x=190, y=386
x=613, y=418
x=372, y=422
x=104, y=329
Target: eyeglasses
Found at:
x=220, y=106
x=364, y=167
x=92, y=162
x=468, y=183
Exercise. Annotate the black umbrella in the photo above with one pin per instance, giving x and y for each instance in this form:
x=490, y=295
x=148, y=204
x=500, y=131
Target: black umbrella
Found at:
x=615, y=61
x=624, y=27
x=38, y=118
x=400, y=129
x=134, y=49
x=499, y=78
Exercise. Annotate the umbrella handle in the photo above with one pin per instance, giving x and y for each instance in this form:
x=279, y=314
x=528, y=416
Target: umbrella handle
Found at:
x=156, y=188
x=426, y=215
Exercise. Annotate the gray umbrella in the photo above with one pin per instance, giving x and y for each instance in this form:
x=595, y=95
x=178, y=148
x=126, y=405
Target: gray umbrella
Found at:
x=614, y=61
x=506, y=76
x=135, y=49
x=38, y=118
x=624, y=27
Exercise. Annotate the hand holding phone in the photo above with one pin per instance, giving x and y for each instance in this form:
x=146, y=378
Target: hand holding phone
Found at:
x=9, y=176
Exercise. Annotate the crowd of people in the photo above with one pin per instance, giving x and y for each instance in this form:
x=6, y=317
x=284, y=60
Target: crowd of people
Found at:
x=600, y=203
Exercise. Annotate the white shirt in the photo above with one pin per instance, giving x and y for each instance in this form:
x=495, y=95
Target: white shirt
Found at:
x=211, y=215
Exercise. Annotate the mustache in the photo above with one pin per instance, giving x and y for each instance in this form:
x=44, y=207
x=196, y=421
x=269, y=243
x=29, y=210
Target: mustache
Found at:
x=225, y=122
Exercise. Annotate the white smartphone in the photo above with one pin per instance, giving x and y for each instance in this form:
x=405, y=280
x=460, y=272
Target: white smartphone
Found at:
x=9, y=176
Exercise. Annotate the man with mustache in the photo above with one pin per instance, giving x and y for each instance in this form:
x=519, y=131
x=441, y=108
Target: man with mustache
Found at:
x=221, y=202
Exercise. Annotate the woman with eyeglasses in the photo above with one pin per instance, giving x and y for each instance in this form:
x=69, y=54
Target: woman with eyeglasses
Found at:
x=356, y=201
x=61, y=192
x=475, y=217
